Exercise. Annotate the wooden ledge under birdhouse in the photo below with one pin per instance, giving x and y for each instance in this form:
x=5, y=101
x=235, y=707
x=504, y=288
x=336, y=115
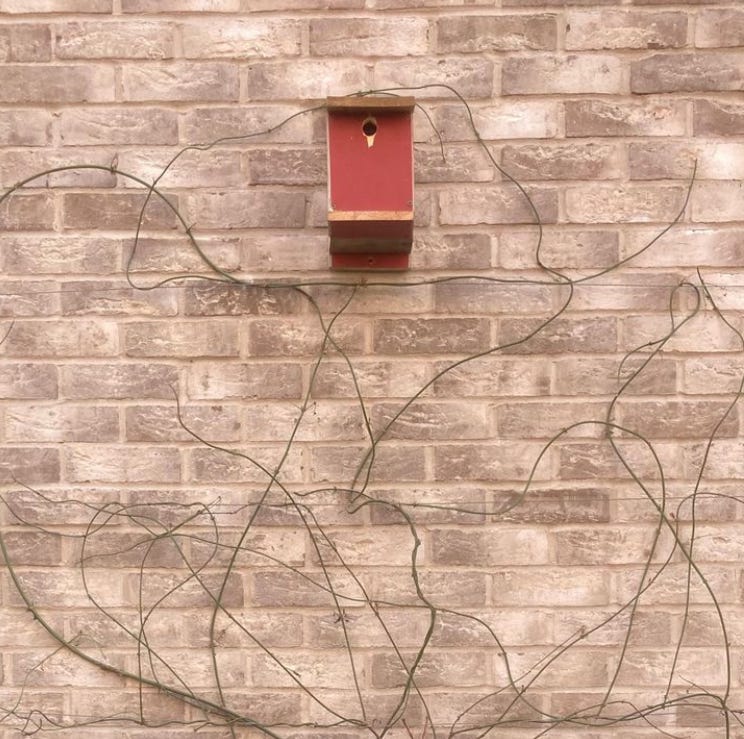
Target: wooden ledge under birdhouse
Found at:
x=370, y=185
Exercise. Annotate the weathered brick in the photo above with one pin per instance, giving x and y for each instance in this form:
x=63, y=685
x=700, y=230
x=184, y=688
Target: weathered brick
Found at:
x=494, y=376
x=473, y=77
x=212, y=381
x=210, y=124
x=715, y=161
x=631, y=292
x=29, y=299
x=248, y=209
x=109, y=298
x=674, y=585
x=448, y=588
x=559, y=249
x=251, y=6
x=623, y=204
x=434, y=670
x=179, y=6
x=452, y=251
x=460, y=164
x=584, y=460
x=180, y=81
x=216, y=465
x=563, y=74
x=694, y=246
x=679, y=419
x=493, y=547
x=488, y=33
x=431, y=420
x=56, y=6
x=178, y=591
x=25, y=127
x=287, y=166
x=499, y=204
x=368, y=36
x=226, y=299
x=302, y=336
x=62, y=670
x=687, y=72
x=431, y=335
x=192, y=340
x=56, y=84
x=29, y=465
x=551, y=586
x=719, y=27
x=595, y=117
x=506, y=119
x=60, y=423
x=62, y=339
x=322, y=421
x=722, y=463
x=471, y=296
x=703, y=333
x=341, y=463
x=600, y=376
x=543, y=420
x=706, y=375
x=563, y=162
x=619, y=545
x=33, y=162
x=290, y=589
x=574, y=335
x=157, y=423
x=116, y=211
x=630, y=29
x=118, y=464
x=497, y=461
x=462, y=504
x=25, y=43
x=118, y=381
x=24, y=254
x=110, y=126
x=333, y=671
x=718, y=201
x=553, y=506
x=304, y=79
x=27, y=212
x=234, y=39
x=142, y=40
x=28, y=381
x=166, y=253
x=718, y=118
x=654, y=668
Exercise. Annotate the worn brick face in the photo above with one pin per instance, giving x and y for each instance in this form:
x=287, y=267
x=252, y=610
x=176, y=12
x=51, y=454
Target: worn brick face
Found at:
x=451, y=418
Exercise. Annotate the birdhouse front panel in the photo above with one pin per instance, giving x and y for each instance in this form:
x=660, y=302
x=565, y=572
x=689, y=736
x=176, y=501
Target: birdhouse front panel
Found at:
x=370, y=189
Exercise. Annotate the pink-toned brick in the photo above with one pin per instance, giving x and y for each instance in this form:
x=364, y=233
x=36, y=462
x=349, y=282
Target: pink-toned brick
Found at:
x=431, y=420
x=563, y=162
x=623, y=204
x=499, y=461
x=718, y=118
x=60, y=423
x=121, y=464
x=27, y=211
x=431, y=335
x=718, y=201
x=583, y=335
x=322, y=421
x=213, y=381
x=551, y=586
x=62, y=339
x=559, y=249
x=249, y=209
x=118, y=381
x=56, y=6
x=493, y=547
x=341, y=463
x=179, y=6
x=119, y=211
x=29, y=465
x=25, y=43
x=160, y=423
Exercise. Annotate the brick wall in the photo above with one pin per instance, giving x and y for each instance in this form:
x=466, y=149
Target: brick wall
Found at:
x=541, y=535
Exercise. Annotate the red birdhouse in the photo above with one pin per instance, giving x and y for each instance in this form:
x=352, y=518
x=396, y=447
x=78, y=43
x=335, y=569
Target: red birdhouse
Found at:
x=370, y=182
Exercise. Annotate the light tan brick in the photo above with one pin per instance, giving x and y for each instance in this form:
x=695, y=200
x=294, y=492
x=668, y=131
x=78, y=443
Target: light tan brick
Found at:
x=341, y=463
x=369, y=36
x=119, y=464
x=27, y=211
x=542, y=420
x=597, y=117
x=116, y=211
x=542, y=75
x=56, y=6
x=180, y=81
x=300, y=336
x=719, y=27
x=248, y=209
x=304, y=79
x=62, y=339
x=718, y=118
x=29, y=465
x=322, y=421
x=563, y=586
x=118, y=381
x=500, y=204
x=430, y=420
x=472, y=77
x=193, y=340
x=492, y=547
x=434, y=670
x=156, y=423
x=257, y=464
x=718, y=201
x=179, y=6
x=623, y=204
x=506, y=119
x=497, y=461
x=128, y=40
x=687, y=72
x=431, y=335
x=629, y=29
x=60, y=423
x=489, y=33
x=56, y=84
x=25, y=43
x=212, y=381
x=525, y=335
x=234, y=39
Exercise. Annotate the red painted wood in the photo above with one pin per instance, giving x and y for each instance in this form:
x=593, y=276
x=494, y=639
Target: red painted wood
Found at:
x=387, y=262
